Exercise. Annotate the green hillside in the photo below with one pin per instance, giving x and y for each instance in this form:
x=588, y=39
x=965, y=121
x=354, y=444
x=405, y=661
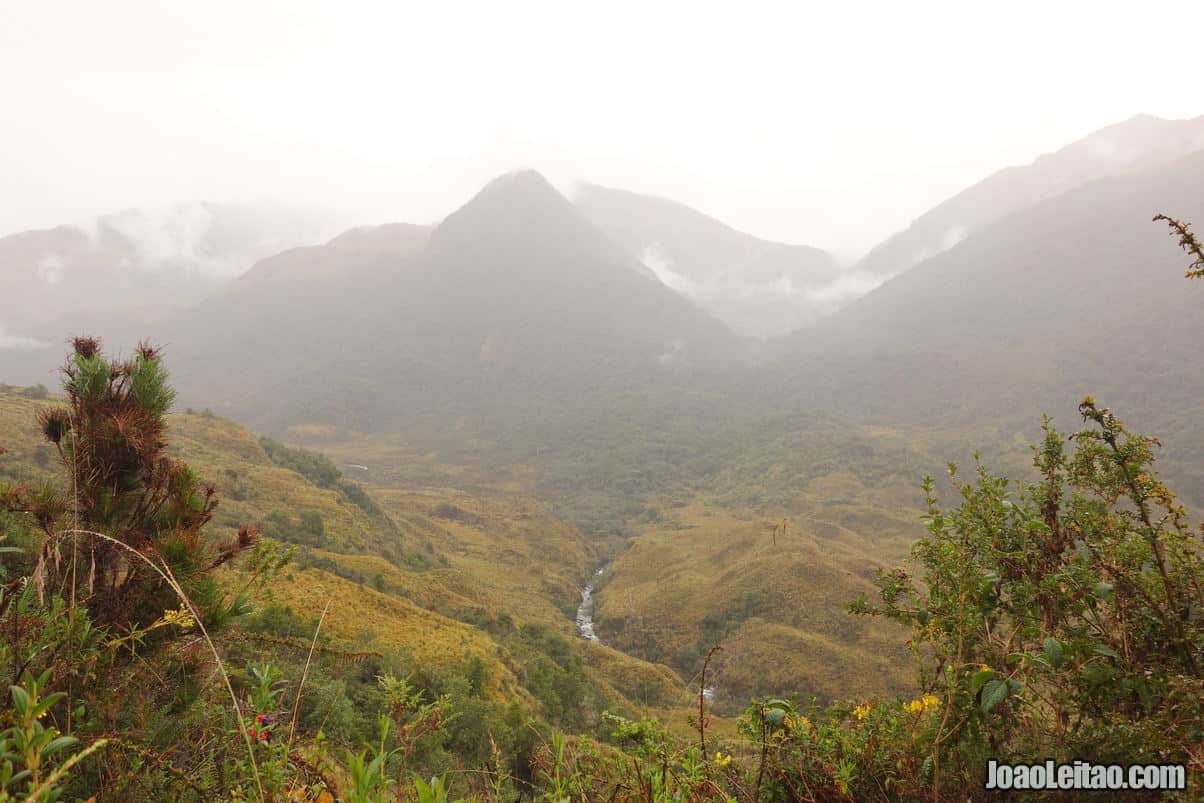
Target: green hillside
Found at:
x=774, y=599
x=416, y=571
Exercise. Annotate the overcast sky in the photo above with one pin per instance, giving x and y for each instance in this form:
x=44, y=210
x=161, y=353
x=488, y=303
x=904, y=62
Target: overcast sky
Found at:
x=831, y=124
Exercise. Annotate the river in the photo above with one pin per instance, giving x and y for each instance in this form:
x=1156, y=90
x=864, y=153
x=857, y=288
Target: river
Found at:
x=585, y=618
x=585, y=611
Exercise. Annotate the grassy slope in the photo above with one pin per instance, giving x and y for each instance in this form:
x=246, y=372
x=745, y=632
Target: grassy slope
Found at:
x=508, y=555
x=488, y=556
x=778, y=610
x=250, y=487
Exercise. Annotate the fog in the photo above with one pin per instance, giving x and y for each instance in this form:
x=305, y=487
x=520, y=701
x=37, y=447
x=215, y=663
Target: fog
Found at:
x=831, y=125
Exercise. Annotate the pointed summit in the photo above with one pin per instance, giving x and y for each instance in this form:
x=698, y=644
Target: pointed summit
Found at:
x=517, y=199
x=520, y=217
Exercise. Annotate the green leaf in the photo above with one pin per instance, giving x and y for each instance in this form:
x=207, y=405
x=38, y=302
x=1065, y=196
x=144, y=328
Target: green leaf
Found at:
x=993, y=693
x=1102, y=649
x=58, y=744
x=49, y=701
x=1053, y=652
x=979, y=678
x=20, y=699
x=1103, y=590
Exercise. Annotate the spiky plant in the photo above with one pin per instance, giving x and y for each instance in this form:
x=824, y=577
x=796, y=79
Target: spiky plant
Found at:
x=111, y=438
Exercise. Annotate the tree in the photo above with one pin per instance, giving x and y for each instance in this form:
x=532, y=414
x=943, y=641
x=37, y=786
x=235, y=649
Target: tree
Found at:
x=128, y=514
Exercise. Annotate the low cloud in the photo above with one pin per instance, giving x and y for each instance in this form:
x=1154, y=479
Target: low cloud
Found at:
x=50, y=269
x=810, y=300
x=11, y=342
x=173, y=236
x=952, y=236
x=656, y=259
x=672, y=354
x=215, y=242
x=844, y=289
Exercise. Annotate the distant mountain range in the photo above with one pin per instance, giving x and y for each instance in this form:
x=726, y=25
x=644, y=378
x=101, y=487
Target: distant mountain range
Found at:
x=608, y=335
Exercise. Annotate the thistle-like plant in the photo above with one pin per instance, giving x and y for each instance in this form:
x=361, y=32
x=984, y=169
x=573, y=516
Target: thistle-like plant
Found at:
x=111, y=438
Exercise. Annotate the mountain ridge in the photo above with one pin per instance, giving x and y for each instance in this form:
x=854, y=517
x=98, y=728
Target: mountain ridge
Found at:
x=1141, y=140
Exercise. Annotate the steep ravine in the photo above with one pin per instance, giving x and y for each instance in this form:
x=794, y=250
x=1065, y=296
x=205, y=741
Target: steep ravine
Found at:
x=585, y=616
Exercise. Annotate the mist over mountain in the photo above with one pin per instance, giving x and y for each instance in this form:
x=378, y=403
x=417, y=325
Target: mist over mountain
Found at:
x=1076, y=294
x=1141, y=142
x=135, y=263
x=503, y=330
x=755, y=286
x=569, y=447
x=659, y=402
x=513, y=308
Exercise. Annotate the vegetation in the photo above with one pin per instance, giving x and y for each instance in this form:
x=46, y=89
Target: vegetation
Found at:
x=416, y=644
x=288, y=635
x=713, y=577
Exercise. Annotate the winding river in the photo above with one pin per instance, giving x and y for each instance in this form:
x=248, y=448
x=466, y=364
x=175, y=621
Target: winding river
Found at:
x=585, y=611
x=585, y=618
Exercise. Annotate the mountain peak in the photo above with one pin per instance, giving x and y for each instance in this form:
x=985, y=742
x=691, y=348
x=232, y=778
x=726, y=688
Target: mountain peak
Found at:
x=518, y=209
x=523, y=177
x=517, y=195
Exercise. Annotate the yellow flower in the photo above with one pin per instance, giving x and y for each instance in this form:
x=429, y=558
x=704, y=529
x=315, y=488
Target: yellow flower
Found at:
x=795, y=723
x=862, y=711
x=923, y=705
x=182, y=618
x=721, y=760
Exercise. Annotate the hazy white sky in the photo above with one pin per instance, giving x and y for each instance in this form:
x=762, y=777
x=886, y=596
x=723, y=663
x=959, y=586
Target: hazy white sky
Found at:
x=832, y=124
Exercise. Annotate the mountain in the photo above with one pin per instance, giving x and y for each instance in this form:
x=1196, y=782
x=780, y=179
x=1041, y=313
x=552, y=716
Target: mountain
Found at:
x=514, y=312
x=757, y=287
x=1076, y=294
x=1139, y=143
x=139, y=262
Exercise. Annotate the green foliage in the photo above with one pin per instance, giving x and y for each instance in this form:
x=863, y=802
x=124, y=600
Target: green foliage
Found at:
x=369, y=780
x=315, y=467
x=1050, y=619
x=1059, y=618
x=307, y=529
x=433, y=792
x=34, y=759
x=554, y=674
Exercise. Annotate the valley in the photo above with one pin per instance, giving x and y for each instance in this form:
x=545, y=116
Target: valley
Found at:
x=507, y=481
